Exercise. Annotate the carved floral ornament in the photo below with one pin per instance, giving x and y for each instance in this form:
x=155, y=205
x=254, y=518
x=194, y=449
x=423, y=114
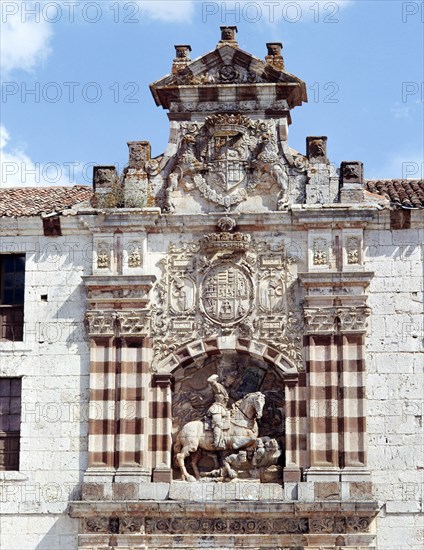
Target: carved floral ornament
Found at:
x=103, y=255
x=331, y=319
x=226, y=73
x=226, y=158
x=227, y=285
x=217, y=106
x=110, y=322
x=227, y=525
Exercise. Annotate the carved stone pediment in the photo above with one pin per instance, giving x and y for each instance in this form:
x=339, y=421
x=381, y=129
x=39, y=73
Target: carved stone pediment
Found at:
x=229, y=65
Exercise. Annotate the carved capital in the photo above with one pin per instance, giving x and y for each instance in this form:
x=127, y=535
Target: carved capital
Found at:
x=353, y=319
x=320, y=320
x=100, y=323
x=328, y=320
x=122, y=323
x=132, y=323
x=164, y=380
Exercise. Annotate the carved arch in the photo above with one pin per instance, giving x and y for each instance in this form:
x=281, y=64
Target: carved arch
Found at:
x=199, y=349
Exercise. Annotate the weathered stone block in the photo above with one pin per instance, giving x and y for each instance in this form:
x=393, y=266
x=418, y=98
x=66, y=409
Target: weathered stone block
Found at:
x=329, y=490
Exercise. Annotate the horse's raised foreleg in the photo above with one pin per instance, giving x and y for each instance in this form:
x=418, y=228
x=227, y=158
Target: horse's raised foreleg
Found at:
x=181, y=456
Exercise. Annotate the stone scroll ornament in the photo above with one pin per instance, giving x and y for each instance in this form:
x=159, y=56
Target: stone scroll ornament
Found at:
x=226, y=158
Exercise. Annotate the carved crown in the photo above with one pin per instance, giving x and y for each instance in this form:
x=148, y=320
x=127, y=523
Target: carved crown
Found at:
x=227, y=241
x=227, y=124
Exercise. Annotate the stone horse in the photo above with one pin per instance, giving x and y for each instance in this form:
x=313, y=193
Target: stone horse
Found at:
x=242, y=433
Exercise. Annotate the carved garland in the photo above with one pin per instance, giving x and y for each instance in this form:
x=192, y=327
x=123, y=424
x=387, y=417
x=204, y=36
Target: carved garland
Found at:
x=234, y=526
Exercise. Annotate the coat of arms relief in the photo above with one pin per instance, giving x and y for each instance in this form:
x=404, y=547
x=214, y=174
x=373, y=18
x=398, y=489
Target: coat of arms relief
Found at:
x=226, y=158
x=224, y=284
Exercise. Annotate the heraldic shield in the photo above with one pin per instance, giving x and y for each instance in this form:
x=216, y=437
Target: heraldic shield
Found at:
x=227, y=161
x=227, y=293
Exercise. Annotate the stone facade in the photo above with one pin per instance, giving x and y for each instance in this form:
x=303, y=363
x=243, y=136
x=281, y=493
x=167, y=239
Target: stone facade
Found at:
x=231, y=259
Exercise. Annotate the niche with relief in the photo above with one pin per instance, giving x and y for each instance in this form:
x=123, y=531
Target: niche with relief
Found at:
x=261, y=458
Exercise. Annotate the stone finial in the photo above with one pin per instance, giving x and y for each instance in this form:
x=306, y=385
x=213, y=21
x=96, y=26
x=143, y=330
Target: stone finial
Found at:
x=352, y=181
x=104, y=177
x=274, y=56
x=352, y=171
x=228, y=35
x=182, y=52
x=139, y=154
x=316, y=148
x=182, y=57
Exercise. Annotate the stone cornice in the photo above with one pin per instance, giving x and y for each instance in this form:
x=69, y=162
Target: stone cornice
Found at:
x=335, y=216
x=368, y=508
x=336, y=279
x=118, y=282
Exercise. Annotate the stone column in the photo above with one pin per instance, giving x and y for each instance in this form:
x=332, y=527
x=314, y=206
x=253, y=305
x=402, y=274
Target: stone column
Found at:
x=101, y=440
x=296, y=428
x=322, y=362
x=352, y=413
x=131, y=411
x=161, y=440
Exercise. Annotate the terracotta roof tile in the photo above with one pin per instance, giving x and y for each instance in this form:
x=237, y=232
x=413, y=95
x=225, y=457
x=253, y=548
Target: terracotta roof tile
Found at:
x=405, y=193
x=33, y=201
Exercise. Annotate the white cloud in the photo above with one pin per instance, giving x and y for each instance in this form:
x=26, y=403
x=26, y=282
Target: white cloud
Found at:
x=401, y=111
x=17, y=169
x=15, y=165
x=408, y=164
x=24, y=38
x=177, y=11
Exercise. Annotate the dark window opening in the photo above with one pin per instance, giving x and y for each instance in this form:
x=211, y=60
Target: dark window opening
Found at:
x=10, y=422
x=12, y=290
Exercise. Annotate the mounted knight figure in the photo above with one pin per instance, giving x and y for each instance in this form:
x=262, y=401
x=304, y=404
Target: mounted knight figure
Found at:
x=218, y=412
x=233, y=429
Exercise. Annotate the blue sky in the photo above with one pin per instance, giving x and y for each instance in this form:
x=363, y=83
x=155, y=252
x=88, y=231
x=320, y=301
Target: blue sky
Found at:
x=90, y=64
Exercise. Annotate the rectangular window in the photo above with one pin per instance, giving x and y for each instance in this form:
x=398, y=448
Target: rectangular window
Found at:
x=12, y=290
x=10, y=422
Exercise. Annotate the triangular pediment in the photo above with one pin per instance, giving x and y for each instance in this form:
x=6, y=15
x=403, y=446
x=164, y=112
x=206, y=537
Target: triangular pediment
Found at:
x=228, y=65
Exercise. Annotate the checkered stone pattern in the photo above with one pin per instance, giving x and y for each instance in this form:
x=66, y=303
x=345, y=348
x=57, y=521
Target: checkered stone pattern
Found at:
x=353, y=401
x=323, y=405
x=119, y=376
x=296, y=444
x=335, y=372
x=132, y=409
x=103, y=379
x=160, y=423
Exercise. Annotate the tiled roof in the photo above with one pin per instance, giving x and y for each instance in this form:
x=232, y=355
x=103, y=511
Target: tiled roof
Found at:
x=406, y=193
x=33, y=201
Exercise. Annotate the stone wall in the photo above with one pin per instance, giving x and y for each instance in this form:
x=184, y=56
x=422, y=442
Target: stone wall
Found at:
x=53, y=362
x=395, y=381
